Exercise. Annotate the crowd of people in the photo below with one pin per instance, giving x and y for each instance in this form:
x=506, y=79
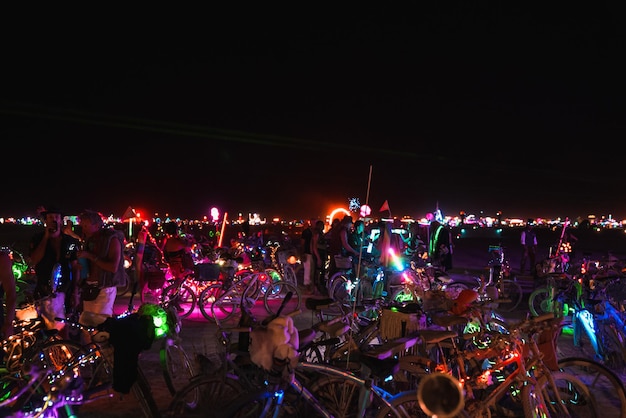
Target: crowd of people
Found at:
x=90, y=259
x=358, y=242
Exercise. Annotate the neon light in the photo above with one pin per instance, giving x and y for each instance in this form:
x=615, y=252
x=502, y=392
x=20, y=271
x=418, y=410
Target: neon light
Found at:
x=336, y=212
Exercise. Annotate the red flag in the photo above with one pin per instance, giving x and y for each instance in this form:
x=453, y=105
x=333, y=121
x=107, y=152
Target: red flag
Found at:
x=384, y=207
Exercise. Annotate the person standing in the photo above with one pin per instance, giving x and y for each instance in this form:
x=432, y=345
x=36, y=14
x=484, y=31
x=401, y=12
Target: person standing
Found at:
x=8, y=296
x=319, y=248
x=528, y=239
x=306, y=256
x=177, y=252
x=103, y=250
x=440, y=246
x=338, y=244
x=50, y=248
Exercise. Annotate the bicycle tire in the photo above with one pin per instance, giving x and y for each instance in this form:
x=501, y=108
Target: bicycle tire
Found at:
x=53, y=355
x=206, y=299
x=339, y=289
x=574, y=394
x=203, y=396
x=612, y=345
x=540, y=302
x=289, y=274
x=142, y=391
x=453, y=290
x=339, y=396
x=512, y=291
x=406, y=403
x=176, y=365
x=605, y=385
x=258, y=404
x=225, y=307
x=181, y=297
x=533, y=403
x=275, y=295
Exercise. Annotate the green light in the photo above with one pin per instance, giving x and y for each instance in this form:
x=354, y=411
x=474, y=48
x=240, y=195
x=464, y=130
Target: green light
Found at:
x=159, y=318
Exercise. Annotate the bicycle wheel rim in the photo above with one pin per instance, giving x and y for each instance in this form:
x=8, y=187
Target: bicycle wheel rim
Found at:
x=203, y=395
x=605, y=385
x=275, y=296
x=176, y=366
x=207, y=298
x=512, y=291
x=539, y=302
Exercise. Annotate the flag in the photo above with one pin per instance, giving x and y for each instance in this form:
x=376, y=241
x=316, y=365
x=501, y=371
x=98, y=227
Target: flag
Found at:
x=385, y=206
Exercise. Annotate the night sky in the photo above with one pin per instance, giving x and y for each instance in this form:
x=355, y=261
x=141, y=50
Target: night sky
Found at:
x=473, y=108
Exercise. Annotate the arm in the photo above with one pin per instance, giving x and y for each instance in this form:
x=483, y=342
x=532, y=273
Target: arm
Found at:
x=315, y=251
x=7, y=280
x=346, y=245
x=111, y=261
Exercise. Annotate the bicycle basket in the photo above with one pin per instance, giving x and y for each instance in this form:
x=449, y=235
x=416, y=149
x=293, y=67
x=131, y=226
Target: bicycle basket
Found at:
x=207, y=272
x=343, y=262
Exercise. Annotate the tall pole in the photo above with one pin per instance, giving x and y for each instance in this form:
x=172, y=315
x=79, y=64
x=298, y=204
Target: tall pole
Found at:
x=219, y=244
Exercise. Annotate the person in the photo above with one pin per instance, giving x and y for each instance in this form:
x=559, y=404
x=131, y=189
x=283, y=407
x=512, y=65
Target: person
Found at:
x=319, y=248
x=440, y=246
x=103, y=251
x=528, y=239
x=338, y=244
x=177, y=252
x=306, y=256
x=414, y=248
x=69, y=230
x=358, y=241
x=8, y=295
x=148, y=258
x=49, y=248
x=568, y=245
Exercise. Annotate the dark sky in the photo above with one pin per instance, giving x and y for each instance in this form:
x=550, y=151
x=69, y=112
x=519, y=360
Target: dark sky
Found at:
x=473, y=107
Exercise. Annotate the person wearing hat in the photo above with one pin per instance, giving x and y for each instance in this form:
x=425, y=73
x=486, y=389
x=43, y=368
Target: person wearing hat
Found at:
x=47, y=249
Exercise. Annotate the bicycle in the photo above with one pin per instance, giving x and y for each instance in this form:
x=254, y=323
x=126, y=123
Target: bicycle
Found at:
x=244, y=293
x=345, y=287
x=507, y=374
x=285, y=389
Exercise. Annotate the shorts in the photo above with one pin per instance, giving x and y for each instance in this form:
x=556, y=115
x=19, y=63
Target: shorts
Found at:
x=98, y=310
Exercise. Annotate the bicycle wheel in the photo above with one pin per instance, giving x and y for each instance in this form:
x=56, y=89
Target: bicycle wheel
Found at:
x=339, y=396
x=206, y=299
x=453, y=290
x=340, y=289
x=275, y=296
x=54, y=355
x=511, y=291
x=574, y=395
x=540, y=302
x=226, y=305
x=176, y=366
x=180, y=296
x=257, y=404
x=605, y=385
x=143, y=393
x=289, y=274
x=611, y=342
x=533, y=402
x=204, y=396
